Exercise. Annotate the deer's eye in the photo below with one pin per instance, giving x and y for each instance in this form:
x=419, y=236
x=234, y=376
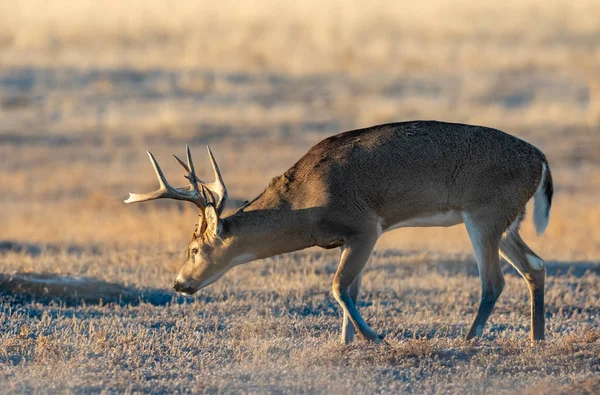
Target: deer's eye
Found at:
x=194, y=251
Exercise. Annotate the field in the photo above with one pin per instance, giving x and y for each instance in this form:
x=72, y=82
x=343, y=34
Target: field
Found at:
x=86, y=303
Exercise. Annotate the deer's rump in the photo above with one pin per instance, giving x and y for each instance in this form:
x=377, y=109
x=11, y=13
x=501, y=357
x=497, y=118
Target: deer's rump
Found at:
x=407, y=168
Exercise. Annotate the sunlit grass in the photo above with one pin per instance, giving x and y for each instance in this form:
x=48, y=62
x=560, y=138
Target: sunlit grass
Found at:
x=85, y=281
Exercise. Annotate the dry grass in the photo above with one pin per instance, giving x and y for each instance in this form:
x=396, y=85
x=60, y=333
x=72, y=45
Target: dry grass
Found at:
x=273, y=327
x=305, y=36
x=86, y=87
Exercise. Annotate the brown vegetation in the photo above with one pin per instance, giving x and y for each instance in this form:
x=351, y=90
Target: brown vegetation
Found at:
x=85, y=299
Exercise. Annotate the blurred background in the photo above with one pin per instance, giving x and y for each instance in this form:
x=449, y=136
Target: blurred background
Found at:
x=87, y=86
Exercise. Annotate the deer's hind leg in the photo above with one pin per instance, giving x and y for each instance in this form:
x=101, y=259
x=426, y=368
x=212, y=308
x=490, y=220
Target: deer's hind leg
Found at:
x=485, y=234
x=532, y=268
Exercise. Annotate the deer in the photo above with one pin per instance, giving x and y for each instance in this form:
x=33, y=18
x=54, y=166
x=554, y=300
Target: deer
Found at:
x=350, y=188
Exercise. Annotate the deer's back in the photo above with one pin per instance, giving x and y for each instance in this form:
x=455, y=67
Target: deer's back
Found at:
x=400, y=169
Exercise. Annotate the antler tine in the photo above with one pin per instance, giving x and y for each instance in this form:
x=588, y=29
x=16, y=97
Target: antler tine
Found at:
x=160, y=192
x=193, y=178
x=208, y=195
x=218, y=184
x=182, y=163
x=166, y=191
x=159, y=174
x=196, y=192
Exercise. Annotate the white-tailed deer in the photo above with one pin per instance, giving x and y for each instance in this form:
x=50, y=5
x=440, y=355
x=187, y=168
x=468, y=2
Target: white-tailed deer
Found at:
x=350, y=188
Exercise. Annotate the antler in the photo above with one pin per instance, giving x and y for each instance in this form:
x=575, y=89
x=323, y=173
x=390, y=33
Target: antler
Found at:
x=218, y=185
x=196, y=192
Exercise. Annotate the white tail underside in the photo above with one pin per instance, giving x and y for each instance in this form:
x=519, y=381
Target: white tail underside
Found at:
x=540, y=204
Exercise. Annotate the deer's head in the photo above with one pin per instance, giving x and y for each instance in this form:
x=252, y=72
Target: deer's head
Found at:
x=208, y=256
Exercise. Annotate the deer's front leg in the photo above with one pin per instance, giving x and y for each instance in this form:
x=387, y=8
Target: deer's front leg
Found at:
x=355, y=254
x=347, y=326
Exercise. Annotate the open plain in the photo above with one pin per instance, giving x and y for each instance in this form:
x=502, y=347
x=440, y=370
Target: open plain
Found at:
x=86, y=303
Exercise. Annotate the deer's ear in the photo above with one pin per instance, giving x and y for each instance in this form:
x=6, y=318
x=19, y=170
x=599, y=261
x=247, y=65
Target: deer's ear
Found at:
x=200, y=226
x=213, y=222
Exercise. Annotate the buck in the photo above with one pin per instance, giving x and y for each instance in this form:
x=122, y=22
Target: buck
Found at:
x=352, y=187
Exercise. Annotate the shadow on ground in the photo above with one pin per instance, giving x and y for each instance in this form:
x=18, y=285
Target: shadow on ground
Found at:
x=36, y=249
x=48, y=288
x=71, y=291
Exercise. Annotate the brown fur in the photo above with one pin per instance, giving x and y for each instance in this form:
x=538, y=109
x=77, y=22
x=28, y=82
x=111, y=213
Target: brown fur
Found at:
x=402, y=170
x=351, y=187
x=347, y=184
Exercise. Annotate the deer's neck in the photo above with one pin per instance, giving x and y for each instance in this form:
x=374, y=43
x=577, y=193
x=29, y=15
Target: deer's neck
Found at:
x=266, y=227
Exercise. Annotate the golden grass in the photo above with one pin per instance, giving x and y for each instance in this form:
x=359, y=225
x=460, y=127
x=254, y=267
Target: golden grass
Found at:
x=272, y=326
x=302, y=36
x=86, y=87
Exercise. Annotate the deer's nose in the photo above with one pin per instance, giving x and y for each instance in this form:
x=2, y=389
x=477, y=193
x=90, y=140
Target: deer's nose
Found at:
x=183, y=288
x=177, y=286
